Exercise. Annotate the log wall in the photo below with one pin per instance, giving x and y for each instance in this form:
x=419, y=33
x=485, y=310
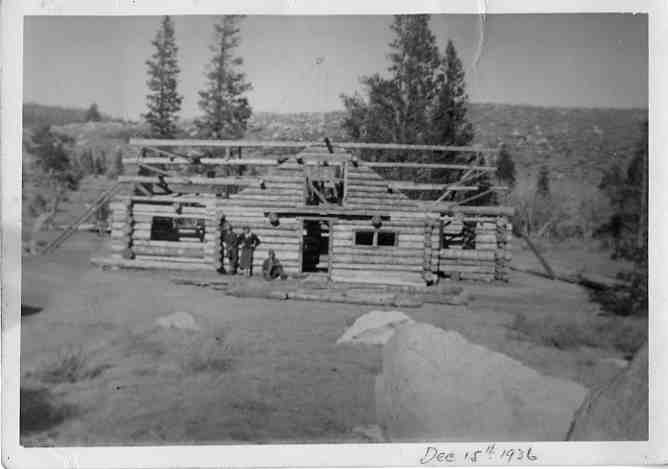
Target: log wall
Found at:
x=399, y=264
x=283, y=188
x=489, y=260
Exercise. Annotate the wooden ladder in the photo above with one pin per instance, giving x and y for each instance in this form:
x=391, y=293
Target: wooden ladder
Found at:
x=69, y=231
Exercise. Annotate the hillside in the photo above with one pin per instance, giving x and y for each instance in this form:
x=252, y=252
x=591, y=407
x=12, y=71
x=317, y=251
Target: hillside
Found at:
x=577, y=145
x=570, y=141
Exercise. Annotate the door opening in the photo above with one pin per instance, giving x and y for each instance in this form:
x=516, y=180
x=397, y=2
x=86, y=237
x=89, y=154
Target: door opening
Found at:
x=315, y=245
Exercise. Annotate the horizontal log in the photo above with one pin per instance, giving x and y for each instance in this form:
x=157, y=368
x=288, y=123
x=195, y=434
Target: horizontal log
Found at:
x=428, y=166
x=371, y=251
x=169, y=210
x=205, y=161
x=340, y=259
x=486, y=246
x=150, y=264
x=228, y=180
x=418, y=245
x=415, y=186
x=468, y=209
x=183, y=259
x=169, y=251
x=382, y=267
x=178, y=244
x=485, y=239
x=481, y=269
x=312, y=145
x=467, y=254
x=477, y=276
x=378, y=277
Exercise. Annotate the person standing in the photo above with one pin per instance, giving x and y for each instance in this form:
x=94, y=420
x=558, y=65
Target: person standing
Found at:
x=231, y=247
x=248, y=241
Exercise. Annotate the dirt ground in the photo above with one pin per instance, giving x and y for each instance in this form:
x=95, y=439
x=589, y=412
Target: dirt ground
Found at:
x=96, y=364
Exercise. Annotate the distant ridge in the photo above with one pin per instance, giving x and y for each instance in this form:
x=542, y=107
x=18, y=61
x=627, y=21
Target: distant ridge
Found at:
x=36, y=115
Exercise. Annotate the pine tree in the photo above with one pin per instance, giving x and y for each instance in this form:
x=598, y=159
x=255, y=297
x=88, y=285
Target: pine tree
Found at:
x=93, y=113
x=543, y=183
x=86, y=162
x=163, y=102
x=423, y=101
x=100, y=164
x=397, y=107
x=116, y=167
x=505, y=167
x=223, y=102
x=449, y=125
x=54, y=174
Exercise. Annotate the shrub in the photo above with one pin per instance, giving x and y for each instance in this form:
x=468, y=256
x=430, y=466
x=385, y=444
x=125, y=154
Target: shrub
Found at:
x=70, y=365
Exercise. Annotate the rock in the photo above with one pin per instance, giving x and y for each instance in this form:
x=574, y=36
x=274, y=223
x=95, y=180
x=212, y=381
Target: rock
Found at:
x=618, y=410
x=437, y=386
x=375, y=327
x=178, y=320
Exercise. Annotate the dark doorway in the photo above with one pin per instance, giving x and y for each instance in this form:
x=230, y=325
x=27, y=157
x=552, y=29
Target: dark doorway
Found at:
x=315, y=246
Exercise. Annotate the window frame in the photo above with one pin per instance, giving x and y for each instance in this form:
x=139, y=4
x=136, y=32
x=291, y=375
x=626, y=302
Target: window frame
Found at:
x=374, y=244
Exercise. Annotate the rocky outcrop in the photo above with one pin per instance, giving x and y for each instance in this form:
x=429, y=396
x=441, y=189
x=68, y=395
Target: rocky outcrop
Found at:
x=618, y=410
x=437, y=386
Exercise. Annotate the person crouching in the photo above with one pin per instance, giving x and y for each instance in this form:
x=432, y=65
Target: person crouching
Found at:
x=272, y=268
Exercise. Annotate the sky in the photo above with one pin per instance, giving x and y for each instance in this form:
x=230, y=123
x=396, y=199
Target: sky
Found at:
x=304, y=63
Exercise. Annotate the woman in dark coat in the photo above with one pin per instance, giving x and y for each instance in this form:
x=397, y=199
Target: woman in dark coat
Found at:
x=248, y=241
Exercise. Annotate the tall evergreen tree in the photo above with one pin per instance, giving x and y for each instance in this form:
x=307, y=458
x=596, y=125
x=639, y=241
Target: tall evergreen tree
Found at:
x=86, y=162
x=449, y=124
x=505, y=167
x=93, y=113
x=163, y=101
x=543, y=183
x=223, y=102
x=116, y=168
x=397, y=107
x=422, y=101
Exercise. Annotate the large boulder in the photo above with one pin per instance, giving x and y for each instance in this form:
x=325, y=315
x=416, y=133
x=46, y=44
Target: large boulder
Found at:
x=437, y=386
x=374, y=328
x=618, y=410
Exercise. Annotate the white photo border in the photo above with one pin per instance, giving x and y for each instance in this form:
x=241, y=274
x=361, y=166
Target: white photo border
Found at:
x=317, y=455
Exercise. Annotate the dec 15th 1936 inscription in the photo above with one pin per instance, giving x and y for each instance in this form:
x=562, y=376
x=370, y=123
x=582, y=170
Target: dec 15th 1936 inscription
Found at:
x=489, y=454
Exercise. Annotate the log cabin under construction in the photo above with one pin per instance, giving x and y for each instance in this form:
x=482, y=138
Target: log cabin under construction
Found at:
x=321, y=209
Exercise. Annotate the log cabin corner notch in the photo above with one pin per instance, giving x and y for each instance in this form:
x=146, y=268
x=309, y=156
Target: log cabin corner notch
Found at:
x=319, y=207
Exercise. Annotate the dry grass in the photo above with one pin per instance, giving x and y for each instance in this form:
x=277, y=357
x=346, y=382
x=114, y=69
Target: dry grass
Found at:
x=625, y=335
x=70, y=365
x=210, y=355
